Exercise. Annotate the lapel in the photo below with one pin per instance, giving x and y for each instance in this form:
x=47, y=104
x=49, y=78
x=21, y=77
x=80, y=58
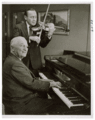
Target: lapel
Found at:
x=16, y=59
x=25, y=31
x=22, y=64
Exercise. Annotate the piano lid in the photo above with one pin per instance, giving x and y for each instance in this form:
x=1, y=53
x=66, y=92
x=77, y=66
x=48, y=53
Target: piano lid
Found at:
x=87, y=54
x=76, y=64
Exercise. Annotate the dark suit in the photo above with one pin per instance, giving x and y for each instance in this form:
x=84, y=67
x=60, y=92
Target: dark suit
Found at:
x=23, y=94
x=34, y=55
x=20, y=89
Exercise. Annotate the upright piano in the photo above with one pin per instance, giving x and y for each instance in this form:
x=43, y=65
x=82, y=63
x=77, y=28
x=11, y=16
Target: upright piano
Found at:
x=72, y=69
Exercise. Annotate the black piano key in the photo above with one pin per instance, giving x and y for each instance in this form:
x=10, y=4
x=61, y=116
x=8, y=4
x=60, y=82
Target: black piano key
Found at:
x=78, y=102
x=63, y=91
x=74, y=99
x=70, y=93
x=63, y=88
x=77, y=98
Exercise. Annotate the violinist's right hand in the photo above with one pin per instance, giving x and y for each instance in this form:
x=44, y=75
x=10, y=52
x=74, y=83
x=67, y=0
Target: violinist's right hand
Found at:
x=35, y=38
x=42, y=25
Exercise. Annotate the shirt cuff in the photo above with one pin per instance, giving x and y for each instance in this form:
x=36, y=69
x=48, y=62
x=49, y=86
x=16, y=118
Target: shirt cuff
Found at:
x=49, y=37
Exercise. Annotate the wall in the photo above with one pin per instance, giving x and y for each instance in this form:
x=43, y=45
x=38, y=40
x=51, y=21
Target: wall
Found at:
x=5, y=30
x=79, y=37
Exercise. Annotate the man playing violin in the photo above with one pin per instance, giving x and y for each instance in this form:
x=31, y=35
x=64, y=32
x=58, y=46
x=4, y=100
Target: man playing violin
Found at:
x=33, y=58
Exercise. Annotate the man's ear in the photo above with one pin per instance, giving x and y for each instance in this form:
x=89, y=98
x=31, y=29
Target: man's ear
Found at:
x=12, y=49
x=25, y=17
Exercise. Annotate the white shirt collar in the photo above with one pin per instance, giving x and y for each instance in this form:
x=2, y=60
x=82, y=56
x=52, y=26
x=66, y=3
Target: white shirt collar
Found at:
x=27, y=26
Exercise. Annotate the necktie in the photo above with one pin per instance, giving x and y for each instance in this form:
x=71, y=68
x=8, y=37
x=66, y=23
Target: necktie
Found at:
x=30, y=32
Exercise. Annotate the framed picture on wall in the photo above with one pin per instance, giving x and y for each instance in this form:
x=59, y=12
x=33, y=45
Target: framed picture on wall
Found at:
x=61, y=20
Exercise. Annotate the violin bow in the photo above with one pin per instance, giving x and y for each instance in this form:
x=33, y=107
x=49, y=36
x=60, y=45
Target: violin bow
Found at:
x=44, y=19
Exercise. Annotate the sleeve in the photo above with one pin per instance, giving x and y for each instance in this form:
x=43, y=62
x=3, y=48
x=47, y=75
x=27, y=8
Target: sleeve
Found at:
x=44, y=39
x=23, y=76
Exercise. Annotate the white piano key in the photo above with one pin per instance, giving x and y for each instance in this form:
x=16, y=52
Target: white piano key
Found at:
x=42, y=75
x=61, y=95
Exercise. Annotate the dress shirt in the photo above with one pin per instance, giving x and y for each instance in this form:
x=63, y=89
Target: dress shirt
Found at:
x=28, y=27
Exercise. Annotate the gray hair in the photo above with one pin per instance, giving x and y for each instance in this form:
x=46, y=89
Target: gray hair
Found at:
x=15, y=41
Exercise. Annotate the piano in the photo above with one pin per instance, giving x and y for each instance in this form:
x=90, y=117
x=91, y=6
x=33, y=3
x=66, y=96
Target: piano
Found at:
x=72, y=69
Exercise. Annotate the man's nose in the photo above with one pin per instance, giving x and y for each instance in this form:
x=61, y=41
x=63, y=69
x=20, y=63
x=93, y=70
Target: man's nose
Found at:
x=25, y=48
x=34, y=18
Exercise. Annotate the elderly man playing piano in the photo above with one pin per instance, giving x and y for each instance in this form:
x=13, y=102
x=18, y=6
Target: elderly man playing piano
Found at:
x=22, y=91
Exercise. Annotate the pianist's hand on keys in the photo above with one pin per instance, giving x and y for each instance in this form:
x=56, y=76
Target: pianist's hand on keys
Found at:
x=52, y=83
x=48, y=80
x=55, y=84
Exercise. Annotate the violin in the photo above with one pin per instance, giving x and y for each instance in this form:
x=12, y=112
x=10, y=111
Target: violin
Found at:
x=41, y=28
x=44, y=27
x=36, y=29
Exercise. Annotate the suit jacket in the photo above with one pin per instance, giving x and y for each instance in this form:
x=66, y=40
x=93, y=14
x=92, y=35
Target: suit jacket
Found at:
x=34, y=55
x=18, y=84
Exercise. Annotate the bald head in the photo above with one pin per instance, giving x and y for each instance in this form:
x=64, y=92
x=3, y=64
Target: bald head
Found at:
x=19, y=47
x=17, y=40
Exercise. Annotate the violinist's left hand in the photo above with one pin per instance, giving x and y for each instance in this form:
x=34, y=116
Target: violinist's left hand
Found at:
x=51, y=29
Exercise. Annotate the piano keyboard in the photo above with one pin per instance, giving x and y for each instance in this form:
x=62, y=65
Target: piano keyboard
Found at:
x=67, y=95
